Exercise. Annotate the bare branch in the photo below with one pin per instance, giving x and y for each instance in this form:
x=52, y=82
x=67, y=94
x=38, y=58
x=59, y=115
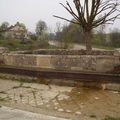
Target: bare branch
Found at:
x=65, y=19
x=93, y=13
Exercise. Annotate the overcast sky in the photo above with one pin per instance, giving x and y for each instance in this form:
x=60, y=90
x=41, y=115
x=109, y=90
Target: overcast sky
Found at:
x=30, y=12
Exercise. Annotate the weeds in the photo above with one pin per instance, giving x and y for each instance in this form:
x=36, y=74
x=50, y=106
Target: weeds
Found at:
x=93, y=116
x=2, y=99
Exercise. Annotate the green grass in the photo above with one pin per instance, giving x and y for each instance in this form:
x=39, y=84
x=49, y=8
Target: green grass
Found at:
x=104, y=47
x=14, y=44
x=52, y=47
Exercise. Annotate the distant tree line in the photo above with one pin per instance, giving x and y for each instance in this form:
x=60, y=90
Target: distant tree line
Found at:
x=35, y=40
x=91, y=14
x=65, y=35
x=71, y=33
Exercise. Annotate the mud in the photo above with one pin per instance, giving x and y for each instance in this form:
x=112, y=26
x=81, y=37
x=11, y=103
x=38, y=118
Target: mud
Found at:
x=60, y=101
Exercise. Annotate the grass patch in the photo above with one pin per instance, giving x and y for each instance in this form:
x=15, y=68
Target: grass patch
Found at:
x=53, y=47
x=14, y=44
x=104, y=47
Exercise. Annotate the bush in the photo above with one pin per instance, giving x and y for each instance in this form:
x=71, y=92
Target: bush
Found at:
x=115, y=38
x=40, y=44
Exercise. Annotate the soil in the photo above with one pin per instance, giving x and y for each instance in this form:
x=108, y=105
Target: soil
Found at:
x=61, y=101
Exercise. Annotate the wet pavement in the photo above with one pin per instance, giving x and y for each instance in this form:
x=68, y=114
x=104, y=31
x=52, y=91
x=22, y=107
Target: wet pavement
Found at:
x=58, y=101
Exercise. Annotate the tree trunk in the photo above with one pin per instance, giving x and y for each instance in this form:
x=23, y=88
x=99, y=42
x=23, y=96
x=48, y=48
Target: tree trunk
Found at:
x=88, y=40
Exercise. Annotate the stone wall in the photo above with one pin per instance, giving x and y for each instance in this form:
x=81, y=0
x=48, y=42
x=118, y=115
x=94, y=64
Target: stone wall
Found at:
x=67, y=52
x=93, y=63
x=1, y=59
x=20, y=60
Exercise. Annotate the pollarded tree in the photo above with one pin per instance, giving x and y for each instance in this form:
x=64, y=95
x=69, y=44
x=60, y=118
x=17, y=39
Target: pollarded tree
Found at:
x=91, y=14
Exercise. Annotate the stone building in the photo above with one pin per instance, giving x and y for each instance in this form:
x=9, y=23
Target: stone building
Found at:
x=18, y=31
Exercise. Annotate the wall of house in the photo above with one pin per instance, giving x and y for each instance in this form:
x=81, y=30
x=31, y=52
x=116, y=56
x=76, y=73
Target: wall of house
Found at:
x=96, y=63
x=17, y=31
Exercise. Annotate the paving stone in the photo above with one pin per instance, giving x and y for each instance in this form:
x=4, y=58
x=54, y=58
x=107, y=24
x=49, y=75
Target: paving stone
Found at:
x=97, y=98
x=60, y=110
x=78, y=113
x=68, y=111
x=55, y=108
x=56, y=103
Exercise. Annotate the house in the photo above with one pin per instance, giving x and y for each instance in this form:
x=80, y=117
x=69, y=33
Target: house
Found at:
x=18, y=31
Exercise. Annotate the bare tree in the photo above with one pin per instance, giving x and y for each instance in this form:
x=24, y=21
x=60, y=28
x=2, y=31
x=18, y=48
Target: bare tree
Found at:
x=91, y=14
x=41, y=28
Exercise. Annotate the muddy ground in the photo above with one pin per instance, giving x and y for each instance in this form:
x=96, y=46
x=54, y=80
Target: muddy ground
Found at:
x=61, y=101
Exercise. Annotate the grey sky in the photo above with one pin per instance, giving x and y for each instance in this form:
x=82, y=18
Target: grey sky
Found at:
x=30, y=11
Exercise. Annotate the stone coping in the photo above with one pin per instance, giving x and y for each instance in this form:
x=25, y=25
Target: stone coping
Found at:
x=69, y=52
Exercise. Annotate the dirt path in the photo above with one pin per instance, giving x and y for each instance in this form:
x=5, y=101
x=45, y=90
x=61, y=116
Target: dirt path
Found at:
x=74, y=46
